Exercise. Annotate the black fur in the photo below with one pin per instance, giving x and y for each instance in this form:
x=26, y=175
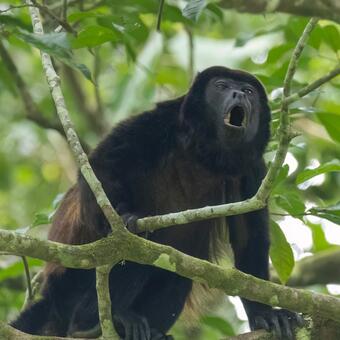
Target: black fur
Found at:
x=172, y=158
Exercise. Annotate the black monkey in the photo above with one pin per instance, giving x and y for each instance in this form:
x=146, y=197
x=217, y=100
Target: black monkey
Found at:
x=204, y=148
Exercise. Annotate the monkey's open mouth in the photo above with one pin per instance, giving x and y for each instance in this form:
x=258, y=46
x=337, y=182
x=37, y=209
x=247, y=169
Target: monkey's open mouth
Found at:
x=235, y=117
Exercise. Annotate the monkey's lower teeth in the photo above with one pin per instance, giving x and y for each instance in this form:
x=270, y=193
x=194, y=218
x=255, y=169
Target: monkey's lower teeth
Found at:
x=227, y=118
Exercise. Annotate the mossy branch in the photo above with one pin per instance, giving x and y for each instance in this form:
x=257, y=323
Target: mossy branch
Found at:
x=133, y=248
x=53, y=81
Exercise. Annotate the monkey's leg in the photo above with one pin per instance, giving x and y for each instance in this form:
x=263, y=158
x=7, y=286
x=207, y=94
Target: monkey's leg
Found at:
x=32, y=319
x=50, y=315
x=161, y=302
x=251, y=250
x=126, y=282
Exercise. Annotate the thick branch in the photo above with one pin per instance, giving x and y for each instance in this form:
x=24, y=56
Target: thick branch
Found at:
x=310, y=8
x=104, y=303
x=9, y=333
x=133, y=248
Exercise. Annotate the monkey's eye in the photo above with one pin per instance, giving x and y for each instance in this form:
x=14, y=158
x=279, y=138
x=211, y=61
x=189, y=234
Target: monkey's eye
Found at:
x=221, y=85
x=248, y=91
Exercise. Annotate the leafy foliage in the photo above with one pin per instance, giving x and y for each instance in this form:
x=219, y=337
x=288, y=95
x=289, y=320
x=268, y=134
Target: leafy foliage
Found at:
x=281, y=253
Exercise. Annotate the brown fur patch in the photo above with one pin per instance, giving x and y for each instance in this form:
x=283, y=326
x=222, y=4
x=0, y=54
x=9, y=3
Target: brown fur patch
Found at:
x=66, y=221
x=65, y=227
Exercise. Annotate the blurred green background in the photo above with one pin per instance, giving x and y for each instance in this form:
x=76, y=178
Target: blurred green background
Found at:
x=133, y=67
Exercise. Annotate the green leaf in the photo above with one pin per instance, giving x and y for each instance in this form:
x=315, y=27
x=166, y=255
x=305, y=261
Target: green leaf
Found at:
x=331, y=36
x=331, y=121
x=219, y=324
x=282, y=175
x=331, y=213
x=193, y=9
x=93, y=36
x=15, y=22
x=78, y=16
x=291, y=202
x=56, y=44
x=305, y=175
x=281, y=253
x=216, y=10
x=40, y=218
x=319, y=240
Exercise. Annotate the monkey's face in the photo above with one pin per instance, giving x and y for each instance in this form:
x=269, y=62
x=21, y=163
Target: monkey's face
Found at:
x=234, y=107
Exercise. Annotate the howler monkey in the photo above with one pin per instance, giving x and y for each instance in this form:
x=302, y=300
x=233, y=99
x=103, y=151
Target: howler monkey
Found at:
x=204, y=148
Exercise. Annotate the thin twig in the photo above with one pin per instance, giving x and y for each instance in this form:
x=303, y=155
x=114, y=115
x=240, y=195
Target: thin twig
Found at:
x=63, y=23
x=191, y=61
x=64, y=12
x=100, y=118
x=313, y=86
x=160, y=14
x=296, y=56
x=283, y=130
x=12, y=7
x=28, y=279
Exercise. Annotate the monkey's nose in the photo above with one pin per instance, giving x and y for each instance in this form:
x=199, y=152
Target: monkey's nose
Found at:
x=237, y=94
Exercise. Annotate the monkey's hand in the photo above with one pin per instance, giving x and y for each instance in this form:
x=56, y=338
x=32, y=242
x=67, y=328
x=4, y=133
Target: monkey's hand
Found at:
x=129, y=218
x=281, y=321
x=130, y=221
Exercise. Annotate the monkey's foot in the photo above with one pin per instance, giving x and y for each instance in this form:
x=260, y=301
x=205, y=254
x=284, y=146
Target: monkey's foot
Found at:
x=135, y=327
x=156, y=335
x=281, y=321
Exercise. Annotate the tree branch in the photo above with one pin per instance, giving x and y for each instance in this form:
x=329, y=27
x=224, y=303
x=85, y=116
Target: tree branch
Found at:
x=163, y=221
x=28, y=279
x=133, y=248
x=283, y=130
x=313, y=86
x=104, y=303
x=53, y=81
x=63, y=23
x=329, y=9
x=9, y=333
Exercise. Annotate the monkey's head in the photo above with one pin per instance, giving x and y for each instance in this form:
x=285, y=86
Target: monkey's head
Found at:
x=227, y=107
